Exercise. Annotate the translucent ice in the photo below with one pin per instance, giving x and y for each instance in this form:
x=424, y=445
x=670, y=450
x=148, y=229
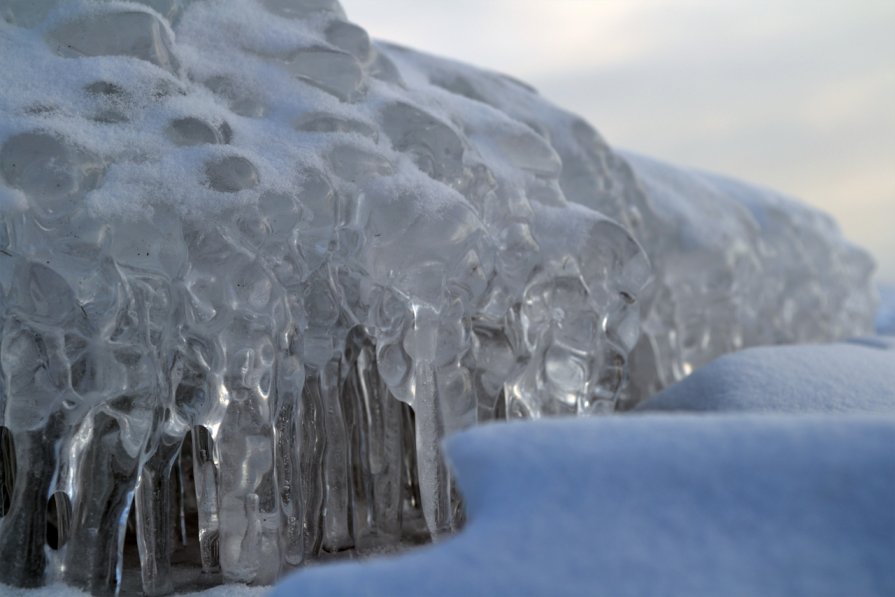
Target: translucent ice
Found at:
x=255, y=267
x=734, y=265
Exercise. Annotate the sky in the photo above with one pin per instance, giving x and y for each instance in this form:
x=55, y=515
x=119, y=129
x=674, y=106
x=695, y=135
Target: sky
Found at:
x=797, y=95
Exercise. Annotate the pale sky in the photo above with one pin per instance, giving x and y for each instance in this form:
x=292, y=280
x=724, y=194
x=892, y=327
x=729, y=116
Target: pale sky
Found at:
x=798, y=95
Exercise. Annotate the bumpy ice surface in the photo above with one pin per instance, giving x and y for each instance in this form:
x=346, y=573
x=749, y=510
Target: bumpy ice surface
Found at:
x=242, y=227
x=262, y=237
x=740, y=266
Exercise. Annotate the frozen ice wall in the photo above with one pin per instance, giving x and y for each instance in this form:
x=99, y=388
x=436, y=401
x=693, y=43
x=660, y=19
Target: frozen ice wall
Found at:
x=735, y=265
x=746, y=267
x=256, y=234
x=255, y=267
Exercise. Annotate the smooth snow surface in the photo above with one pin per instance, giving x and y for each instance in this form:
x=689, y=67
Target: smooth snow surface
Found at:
x=694, y=505
x=855, y=377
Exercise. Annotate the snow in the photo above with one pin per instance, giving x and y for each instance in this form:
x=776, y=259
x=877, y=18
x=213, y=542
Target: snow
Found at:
x=850, y=377
x=656, y=504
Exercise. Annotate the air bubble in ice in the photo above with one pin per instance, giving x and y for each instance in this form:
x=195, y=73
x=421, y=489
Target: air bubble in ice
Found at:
x=231, y=174
x=193, y=131
x=335, y=72
x=128, y=33
x=50, y=171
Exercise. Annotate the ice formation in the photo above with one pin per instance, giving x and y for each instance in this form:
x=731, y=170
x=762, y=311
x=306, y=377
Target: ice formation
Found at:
x=243, y=227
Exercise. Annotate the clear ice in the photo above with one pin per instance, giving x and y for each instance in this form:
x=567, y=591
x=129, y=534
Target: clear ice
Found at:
x=254, y=267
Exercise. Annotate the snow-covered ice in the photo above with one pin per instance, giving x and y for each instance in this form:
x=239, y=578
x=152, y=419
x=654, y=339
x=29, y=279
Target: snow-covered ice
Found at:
x=737, y=266
x=241, y=223
x=255, y=266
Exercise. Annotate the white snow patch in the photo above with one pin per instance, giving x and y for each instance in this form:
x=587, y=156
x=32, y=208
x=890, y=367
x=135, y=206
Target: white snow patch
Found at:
x=853, y=377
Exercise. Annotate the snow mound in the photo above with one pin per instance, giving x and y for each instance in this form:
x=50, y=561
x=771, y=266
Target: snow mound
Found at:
x=853, y=377
x=695, y=505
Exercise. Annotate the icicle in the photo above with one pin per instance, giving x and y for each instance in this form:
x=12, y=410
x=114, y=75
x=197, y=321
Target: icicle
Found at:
x=337, y=532
x=106, y=473
x=180, y=498
x=245, y=447
x=155, y=495
x=7, y=467
x=434, y=476
x=373, y=417
x=290, y=381
x=23, y=530
x=205, y=475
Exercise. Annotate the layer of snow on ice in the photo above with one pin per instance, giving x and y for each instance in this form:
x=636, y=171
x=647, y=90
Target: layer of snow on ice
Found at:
x=654, y=504
x=855, y=377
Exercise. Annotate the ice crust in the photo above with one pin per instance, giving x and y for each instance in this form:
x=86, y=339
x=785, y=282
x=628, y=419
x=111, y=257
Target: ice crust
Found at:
x=243, y=227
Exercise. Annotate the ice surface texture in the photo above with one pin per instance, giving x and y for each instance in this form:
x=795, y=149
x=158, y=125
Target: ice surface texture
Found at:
x=242, y=227
x=740, y=266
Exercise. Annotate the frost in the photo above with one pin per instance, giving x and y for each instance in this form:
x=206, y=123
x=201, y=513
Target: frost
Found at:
x=255, y=267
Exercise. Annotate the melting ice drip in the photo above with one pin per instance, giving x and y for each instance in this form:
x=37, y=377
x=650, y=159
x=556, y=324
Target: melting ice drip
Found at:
x=243, y=226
